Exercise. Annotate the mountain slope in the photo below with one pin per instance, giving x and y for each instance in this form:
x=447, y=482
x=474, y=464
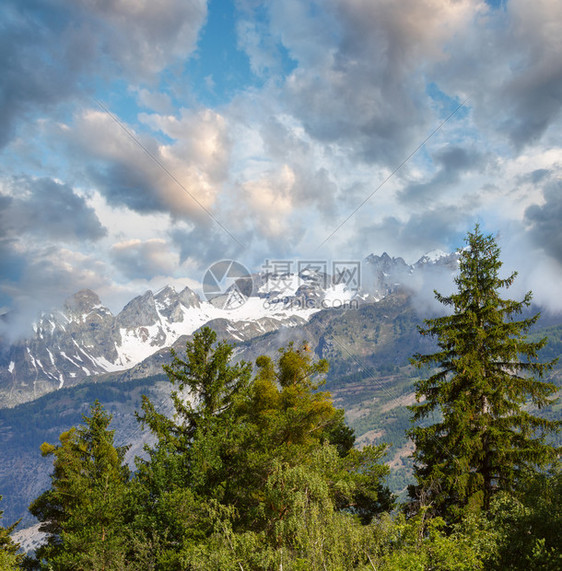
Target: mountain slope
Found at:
x=84, y=339
x=370, y=377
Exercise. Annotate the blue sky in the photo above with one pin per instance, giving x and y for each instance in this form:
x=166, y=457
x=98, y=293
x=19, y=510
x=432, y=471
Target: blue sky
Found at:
x=143, y=140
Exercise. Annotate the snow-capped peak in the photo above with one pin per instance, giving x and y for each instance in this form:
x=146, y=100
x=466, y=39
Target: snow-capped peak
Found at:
x=433, y=256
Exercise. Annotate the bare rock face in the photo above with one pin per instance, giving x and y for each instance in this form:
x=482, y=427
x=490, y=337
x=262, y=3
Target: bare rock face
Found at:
x=384, y=275
x=68, y=345
x=171, y=304
x=189, y=298
x=84, y=339
x=141, y=311
x=90, y=327
x=82, y=303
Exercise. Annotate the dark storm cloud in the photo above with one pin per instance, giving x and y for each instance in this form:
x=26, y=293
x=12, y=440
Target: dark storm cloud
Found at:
x=455, y=159
x=361, y=75
x=37, y=70
x=133, y=169
x=434, y=228
x=509, y=62
x=124, y=185
x=205, y=245
x=364, y=67
x=47, y=49
x=545, y=221
x=36, y=273
x=535, y=176
x=48, y=209
x=534, y=102
x=452, y=163
x=12, y=262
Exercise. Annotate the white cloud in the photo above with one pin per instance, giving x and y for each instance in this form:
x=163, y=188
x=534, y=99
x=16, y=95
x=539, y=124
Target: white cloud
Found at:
x=270, y=199
x=131, y=169
x=144, y=36
x=347, y=89
x=508, y=61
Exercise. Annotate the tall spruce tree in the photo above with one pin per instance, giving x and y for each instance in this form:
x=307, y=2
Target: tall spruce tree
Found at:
x=83, y=511
x=207, y=376
x=487, y=373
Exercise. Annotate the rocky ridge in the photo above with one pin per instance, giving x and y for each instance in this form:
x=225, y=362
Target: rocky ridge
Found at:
x=84, y=339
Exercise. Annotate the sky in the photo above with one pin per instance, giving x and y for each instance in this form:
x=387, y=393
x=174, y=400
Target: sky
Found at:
x=143, y=140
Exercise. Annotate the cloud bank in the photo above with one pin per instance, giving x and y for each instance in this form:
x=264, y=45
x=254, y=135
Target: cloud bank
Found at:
x=125, y=162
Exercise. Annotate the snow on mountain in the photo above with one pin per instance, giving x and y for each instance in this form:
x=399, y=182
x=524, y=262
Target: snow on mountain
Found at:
x=384, y=274
x=432, y=256
x=84, y=338
x=438, y=257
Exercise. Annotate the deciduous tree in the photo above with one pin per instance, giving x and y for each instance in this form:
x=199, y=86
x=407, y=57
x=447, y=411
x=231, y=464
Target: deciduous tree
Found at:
x=245, y=464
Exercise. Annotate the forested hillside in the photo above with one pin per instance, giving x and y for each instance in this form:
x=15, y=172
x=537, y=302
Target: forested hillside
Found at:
x=260, y=473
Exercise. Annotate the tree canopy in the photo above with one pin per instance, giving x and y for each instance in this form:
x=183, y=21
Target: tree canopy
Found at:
x=83, y=511
x=486, y=376
x=254, y=468
x=268, y=462
x=9, y=558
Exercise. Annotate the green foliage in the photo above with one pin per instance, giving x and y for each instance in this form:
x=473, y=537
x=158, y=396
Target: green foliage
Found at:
x=259, y=474
x=83, y=510
x=183, y=469
x=9, y=558
x=304, y=529
x=486, y=369
x=420, y=544
x=529, y=526
x=208, y=378
x=254, y=473
x=24, y=427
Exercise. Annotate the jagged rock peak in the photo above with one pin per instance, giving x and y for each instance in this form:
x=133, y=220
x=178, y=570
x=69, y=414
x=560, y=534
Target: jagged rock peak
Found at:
x=166, y=293
x=385, y=259
x=83, y=301
x=140, y=311
x=432, y=257
x=439, y=258
x=189, y=298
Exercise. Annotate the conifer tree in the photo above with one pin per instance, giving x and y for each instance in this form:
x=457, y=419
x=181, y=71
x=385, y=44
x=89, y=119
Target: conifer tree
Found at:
x=168, y=510
x=9, y=558
x=487, y=372
x=205, y=375
x=209, y=484
x=83, y=511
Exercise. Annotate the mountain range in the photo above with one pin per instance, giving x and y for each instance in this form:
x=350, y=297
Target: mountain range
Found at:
x=83, y=339
x=83, y=352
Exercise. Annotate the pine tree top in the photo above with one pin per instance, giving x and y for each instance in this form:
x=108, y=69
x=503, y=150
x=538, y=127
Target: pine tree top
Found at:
x=487, y=372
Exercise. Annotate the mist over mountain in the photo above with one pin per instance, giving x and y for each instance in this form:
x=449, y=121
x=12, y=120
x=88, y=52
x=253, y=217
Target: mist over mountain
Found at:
x=83, y=339
x=368, y=344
